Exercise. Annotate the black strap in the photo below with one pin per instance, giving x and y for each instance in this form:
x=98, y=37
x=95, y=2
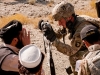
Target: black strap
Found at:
x=52, y=67
x=9, y=49
x=63, y=38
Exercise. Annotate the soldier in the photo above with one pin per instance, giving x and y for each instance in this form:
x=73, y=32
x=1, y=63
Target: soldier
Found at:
x=65, y=15
x=90, y=65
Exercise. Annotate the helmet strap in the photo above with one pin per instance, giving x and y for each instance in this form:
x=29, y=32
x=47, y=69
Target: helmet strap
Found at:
x=70, y=25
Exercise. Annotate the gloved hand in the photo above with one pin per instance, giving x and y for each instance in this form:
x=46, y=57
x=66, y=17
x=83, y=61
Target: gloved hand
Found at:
x=47, y=30
x=62, y=31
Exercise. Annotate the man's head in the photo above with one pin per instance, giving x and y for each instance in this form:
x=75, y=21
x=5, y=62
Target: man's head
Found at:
x=90, y=34
x=31, y=58
x=63, y=12
x=10, y=32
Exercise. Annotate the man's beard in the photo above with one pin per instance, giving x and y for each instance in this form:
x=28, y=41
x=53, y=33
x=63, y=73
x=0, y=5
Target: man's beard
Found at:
x=69, y=25
x=19, y=44
x=71, y=28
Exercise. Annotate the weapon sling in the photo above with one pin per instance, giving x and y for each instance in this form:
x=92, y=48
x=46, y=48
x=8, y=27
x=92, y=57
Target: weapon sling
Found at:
x=63, y=35
x=63, y=38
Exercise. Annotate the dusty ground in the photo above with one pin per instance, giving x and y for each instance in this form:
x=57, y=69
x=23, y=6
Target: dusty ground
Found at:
x=11, y=7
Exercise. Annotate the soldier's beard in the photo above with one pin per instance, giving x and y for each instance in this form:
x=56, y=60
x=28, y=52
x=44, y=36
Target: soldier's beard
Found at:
x=19, y=45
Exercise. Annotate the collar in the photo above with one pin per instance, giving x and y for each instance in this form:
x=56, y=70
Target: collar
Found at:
x=15, y=49
x=94, y=47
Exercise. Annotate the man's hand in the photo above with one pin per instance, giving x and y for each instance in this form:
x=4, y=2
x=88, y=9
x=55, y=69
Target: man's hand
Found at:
x=25, y=37
x=47, y=30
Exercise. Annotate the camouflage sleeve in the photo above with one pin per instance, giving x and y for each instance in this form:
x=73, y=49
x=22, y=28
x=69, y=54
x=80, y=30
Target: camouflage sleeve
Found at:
x=91, y=19
x=67, y=49
x=58, y=35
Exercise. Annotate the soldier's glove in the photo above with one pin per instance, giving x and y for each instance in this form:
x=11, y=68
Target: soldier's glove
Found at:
x=62, y=31
x=47, y=30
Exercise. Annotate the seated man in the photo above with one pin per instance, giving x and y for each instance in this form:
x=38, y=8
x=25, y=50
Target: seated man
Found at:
x=31, y=60
x=90, y=65
x=14, y=37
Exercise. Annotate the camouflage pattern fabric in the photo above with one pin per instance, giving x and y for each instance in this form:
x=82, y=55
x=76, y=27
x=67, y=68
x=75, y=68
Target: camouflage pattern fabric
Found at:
x=93, y=62
x=84, y=70
x=61, y=10
x=75, y=50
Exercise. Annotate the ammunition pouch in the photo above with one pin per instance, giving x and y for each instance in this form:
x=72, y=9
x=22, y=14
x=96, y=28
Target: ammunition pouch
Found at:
x=69, y=70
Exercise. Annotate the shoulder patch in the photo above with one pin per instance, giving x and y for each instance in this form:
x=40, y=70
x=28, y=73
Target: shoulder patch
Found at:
x=77, y=44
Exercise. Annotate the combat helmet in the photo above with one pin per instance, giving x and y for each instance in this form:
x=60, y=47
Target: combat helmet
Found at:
x=62, y=10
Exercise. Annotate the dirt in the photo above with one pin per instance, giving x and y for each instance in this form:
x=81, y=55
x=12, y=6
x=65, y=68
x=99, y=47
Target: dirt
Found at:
x=39, y=9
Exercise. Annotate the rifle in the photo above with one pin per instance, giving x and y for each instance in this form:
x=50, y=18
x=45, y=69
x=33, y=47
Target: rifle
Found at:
x=98, y=8
x=45, y=26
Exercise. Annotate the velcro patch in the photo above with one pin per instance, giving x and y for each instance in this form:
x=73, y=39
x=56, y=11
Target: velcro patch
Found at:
x=77, y=44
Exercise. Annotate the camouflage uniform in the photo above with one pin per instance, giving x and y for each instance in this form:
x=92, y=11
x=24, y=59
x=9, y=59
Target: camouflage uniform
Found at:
x=93, y=61
x=76, y=49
